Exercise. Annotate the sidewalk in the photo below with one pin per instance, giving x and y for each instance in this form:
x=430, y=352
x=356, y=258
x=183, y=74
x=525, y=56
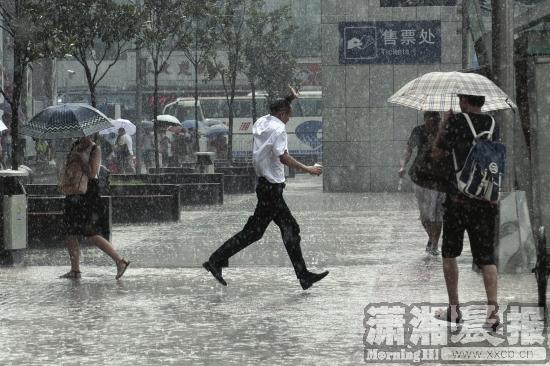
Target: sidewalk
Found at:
x=168, y=311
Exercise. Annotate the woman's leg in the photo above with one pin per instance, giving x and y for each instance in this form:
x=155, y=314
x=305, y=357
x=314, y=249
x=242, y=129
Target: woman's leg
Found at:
x=106, y=247
x=74, y=252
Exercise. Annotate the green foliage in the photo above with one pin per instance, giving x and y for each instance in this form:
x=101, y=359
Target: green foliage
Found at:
x=31, y=27
x=256, y=44
x=201, y=18
x=163, y=29
x=97, y=32
x=253, y=43
x=269, y=64
x=32, y=30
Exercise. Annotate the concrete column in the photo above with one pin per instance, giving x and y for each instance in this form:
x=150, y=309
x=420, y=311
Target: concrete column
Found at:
x=503, y=75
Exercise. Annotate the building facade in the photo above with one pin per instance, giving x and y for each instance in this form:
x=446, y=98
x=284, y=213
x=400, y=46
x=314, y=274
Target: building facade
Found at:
x=370, y=49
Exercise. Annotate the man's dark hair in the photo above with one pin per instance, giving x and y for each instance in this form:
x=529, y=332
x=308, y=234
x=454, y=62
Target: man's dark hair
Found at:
x=432, y=114
x=279, y=105
x=473, y=100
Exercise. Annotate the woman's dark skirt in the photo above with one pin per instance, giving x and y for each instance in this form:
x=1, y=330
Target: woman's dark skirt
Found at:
x=82, y=211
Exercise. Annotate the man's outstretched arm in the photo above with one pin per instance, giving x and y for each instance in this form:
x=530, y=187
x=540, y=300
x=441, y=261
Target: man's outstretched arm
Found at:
x=293, y=163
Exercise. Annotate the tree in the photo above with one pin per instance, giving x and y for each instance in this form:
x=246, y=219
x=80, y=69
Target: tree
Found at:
x=165, y=31
x=99, y=32
x=34, y=35
x=231, y=37
x=254, y=41
x=200, y=44
x=268, y=62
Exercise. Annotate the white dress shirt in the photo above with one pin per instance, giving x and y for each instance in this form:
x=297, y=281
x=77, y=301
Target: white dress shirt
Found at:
x=270, y=142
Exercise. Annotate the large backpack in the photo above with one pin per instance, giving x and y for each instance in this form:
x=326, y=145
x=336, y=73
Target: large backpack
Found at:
x=482, y=173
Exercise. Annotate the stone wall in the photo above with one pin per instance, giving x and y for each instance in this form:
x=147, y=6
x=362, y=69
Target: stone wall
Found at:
x=364, y=135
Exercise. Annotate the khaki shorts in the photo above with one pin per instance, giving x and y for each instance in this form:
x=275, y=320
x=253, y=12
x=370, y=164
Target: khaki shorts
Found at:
x=430, y=204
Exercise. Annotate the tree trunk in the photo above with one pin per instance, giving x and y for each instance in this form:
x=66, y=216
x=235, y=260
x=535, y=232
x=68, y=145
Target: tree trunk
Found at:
x=18, y=69
x=254, y=107
x=155, y=110
x=91, y=85
x=197, y=147
x=230, y=135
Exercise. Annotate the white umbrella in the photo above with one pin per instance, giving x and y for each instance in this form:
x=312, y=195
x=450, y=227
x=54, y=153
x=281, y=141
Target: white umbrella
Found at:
x=166, y=119
x=438, y=91
x=2, y=126
x=128, y=126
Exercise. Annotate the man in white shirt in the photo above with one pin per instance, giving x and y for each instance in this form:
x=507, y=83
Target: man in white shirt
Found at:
x=269, y=154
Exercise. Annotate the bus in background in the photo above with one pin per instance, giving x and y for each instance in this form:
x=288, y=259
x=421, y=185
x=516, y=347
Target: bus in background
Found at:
x=184, y=109
x=304, y=129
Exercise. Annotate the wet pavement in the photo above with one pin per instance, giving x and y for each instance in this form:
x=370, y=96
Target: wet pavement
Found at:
x=167, y=310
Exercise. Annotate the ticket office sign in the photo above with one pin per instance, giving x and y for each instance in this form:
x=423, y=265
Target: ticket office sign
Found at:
x=400, y=42
x=400, y=3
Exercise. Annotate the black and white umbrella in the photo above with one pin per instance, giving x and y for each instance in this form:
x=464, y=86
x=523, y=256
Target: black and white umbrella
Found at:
x=71, y=120
x=438, y=91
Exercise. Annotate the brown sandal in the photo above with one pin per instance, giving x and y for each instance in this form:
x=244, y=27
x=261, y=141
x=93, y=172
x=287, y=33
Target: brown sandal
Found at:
x=451, y=314
x=121, y=266
x=72, y=274
x=493, y=320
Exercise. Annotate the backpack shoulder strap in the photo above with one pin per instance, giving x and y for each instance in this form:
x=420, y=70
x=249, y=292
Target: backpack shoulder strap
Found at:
x=488, y=133
x=470, y=124
x=493, y=123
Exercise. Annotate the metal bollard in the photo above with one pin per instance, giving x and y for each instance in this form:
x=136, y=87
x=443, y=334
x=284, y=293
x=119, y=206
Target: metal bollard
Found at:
x=542, y=269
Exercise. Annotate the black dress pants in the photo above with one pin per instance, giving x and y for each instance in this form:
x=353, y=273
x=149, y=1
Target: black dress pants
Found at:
x=271, y=206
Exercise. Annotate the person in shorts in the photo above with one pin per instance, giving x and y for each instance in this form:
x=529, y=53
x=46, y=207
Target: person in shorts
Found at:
x=81, y=211
x=464, y=214
x=430, y=202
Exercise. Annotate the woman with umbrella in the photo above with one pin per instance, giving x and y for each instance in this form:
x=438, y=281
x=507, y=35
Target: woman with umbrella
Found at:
x=81, y=210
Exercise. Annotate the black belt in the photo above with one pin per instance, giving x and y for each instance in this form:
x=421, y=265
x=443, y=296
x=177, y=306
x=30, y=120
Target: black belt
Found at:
x=263, y=180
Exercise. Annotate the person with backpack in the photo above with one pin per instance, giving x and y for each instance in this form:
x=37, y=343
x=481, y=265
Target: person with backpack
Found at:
x=79, y=183
x=469, y=137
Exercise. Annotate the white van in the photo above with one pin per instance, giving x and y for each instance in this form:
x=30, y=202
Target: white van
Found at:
x=184, y=109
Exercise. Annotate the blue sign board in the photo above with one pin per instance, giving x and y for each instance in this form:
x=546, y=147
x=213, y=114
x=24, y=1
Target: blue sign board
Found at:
x=407, y=42
x=399, y=3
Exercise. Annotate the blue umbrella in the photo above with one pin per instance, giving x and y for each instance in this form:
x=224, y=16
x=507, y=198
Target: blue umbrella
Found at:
x=190, y=124
x=71, y=120
x=217, y=130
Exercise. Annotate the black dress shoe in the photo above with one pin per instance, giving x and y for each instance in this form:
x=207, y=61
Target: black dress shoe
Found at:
x=215, y=270
x=311, y=278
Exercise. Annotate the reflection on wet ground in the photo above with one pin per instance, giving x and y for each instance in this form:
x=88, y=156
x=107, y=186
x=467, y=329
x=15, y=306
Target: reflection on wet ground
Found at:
x=168, y=310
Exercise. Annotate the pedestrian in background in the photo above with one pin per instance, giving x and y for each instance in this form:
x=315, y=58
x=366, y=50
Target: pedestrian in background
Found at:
x=430, y=202
x=147, y=149
x=165, y=148
x=124, y=152
x=270, y=154
x=82, y=211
